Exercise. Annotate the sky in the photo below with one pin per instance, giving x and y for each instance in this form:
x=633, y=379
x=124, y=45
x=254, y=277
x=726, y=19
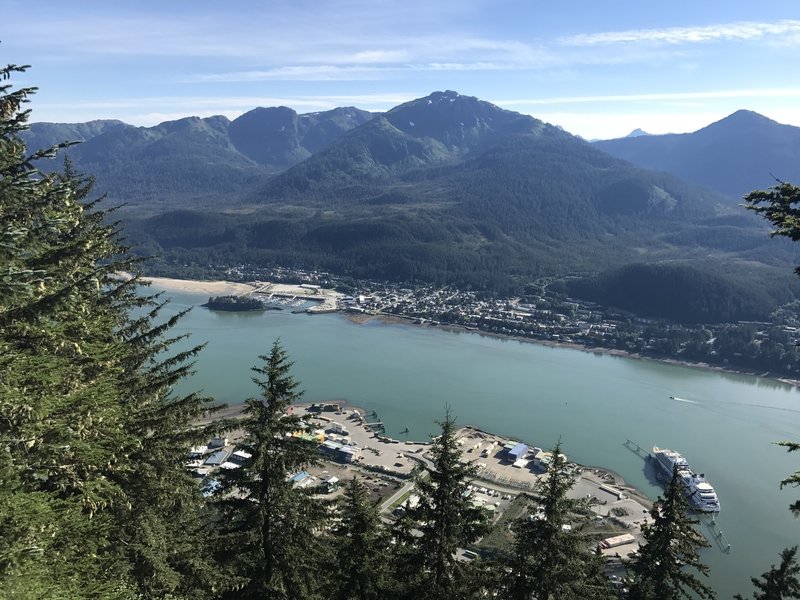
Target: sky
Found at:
x=597, y=68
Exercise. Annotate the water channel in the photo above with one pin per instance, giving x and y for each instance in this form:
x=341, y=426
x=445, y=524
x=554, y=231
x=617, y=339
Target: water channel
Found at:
x=723, y=423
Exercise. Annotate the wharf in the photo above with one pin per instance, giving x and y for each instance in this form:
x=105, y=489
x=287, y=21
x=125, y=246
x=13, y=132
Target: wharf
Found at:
x=708, y=519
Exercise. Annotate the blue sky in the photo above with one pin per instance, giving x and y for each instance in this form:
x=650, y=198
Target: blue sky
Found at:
x=597, y=68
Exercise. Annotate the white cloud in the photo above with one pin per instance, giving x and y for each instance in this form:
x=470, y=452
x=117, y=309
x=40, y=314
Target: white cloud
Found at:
x=379, y=56
x=342, y=72
x=745, y=30
x=656, y=97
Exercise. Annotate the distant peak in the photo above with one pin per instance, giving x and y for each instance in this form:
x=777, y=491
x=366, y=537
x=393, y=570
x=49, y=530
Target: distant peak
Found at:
x=745, y=116
x=637, y=133
x=446, y=96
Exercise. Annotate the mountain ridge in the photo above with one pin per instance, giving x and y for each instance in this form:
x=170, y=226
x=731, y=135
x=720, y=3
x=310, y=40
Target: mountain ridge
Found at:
x=734, y=155
x=446, y=188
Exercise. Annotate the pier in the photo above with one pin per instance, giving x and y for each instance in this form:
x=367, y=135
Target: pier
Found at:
x=636, y=449
x=717, y=533
x=376, y=425
x=709, y=520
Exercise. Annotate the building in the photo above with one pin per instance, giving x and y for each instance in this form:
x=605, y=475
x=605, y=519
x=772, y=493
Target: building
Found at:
x=339, y=452
x=217, y=458
x=517, y=452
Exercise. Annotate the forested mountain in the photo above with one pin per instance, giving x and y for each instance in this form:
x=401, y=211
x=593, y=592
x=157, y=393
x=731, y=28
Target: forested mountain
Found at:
x=451, y=189
x=444, y=128
x=680, y=293
x=195, y=160
x=278, y=137
x=445, y=188
x=740, y=153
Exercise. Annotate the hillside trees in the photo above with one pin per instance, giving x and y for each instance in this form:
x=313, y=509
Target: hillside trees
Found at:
x=551, y=558
x=361, y=548
x=779, y=582
x=268, y=527
x=663, y=566
x=447, y=521
x=91, y=494
x=780, y=205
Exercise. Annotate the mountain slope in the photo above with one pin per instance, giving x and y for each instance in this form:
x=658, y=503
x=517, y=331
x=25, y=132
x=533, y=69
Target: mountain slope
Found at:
x=441, y=129
x=449, y=186
x=278, y=137
x=191, y=160
x=740, y=153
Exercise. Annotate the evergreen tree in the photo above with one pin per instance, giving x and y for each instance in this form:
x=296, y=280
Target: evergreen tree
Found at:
x=779, y=583
x=551, y=557
x=661, y=566
x=447, y=521
x=361, y=548
x=60, y=356
x=269, y=528
x=780, y=205
x=76, y=373
x=403, y=559
x=794, y=479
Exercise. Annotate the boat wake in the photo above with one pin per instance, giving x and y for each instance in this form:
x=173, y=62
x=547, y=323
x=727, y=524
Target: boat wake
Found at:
x=684, y=400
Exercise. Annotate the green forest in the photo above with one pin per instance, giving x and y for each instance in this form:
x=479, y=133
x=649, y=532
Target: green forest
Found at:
x=95, y=500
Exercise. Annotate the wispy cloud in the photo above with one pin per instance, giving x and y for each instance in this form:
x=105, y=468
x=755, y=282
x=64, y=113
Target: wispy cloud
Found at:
x=343, y=73
x=656, y=97
x=742, y=31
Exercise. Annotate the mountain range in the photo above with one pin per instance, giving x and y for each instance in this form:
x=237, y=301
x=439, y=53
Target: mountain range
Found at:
x=445, y=188
x=736, y=155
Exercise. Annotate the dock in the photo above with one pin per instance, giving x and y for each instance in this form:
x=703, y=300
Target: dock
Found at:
x=376, y=425
x=708, y=519
x=636, y=449
x=717, y=533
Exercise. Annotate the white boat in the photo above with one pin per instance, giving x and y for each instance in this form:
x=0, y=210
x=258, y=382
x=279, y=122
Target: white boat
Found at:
x=667, y=460
x=699, y=492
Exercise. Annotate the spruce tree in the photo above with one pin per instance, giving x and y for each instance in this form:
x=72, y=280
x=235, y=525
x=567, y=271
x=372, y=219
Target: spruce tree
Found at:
x=551, y=557
x=76, y=371
x=779, y=583
x=780, y=205
x=269, y=528
x=60, y=356
x=361, y=548
x=662, y=568
x=446, y=519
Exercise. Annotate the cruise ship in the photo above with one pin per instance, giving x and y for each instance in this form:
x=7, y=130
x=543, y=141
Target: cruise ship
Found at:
x=699, y=492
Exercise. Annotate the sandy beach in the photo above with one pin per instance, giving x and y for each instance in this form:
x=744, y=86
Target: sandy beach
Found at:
x=212, y=288
x=327, y=298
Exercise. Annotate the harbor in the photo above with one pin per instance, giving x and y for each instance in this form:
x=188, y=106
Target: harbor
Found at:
x=527, y=392
x=353, y=442
x=666, y=462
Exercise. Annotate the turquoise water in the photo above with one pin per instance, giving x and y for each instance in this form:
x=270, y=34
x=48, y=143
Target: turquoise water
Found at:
x=725, y=426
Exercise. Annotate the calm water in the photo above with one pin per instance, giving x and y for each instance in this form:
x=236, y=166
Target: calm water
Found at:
x=725, y=426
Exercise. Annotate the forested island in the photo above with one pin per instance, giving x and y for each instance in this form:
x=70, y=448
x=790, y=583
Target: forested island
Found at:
x=237, y=304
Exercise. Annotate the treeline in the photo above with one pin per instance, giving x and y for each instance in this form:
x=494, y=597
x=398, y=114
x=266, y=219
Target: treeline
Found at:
x=681, y=294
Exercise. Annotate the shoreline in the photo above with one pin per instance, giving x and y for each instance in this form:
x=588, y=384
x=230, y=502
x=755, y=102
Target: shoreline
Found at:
x=360, y=319
x=236, y=411
x=221, y=287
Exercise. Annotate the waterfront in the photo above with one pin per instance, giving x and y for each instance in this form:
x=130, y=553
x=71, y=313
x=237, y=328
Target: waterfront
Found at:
x=538, y=394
